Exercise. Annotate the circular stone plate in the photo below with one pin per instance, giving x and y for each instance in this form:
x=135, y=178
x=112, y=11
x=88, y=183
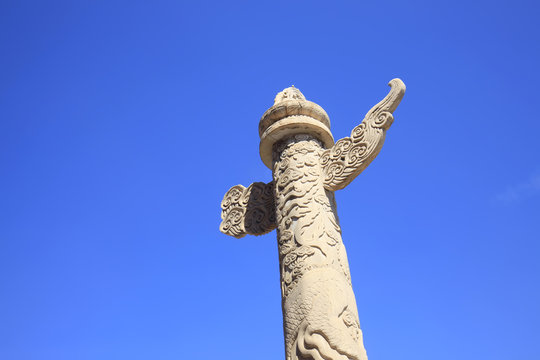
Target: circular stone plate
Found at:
x=289, y=126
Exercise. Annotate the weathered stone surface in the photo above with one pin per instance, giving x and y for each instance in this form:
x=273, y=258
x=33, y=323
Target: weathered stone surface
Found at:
x=319, y=308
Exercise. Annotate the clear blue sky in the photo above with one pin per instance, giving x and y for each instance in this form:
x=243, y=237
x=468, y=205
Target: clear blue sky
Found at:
x=122, y=124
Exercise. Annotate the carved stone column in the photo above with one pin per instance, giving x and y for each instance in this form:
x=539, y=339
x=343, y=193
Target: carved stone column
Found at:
x=320, y=316
x=319, y=308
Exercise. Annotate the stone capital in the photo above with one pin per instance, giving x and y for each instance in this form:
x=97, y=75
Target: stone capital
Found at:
x=291, y=115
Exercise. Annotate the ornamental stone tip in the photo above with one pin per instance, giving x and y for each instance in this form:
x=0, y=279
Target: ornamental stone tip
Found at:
x=289, y=94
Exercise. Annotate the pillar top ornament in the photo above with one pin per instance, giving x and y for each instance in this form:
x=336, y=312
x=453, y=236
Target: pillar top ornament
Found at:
x=291, y=115
x=290, y=93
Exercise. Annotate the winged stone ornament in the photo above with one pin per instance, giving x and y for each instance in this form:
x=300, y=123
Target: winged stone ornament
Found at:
x=248, y=210
x=351, y=155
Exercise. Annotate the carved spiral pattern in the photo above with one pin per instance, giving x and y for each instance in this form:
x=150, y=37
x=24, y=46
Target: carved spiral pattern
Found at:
x=248, y=210
x=309, y=239
x=351, y=155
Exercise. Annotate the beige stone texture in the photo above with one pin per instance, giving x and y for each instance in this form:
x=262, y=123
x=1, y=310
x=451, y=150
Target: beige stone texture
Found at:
x=319, y=308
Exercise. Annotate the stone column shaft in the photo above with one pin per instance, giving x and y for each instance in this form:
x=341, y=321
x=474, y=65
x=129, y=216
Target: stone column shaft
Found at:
x=319, y=309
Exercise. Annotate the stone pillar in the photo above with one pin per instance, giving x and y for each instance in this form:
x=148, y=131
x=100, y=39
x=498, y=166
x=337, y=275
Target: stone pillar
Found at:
x=320, y=317
x=319, y=309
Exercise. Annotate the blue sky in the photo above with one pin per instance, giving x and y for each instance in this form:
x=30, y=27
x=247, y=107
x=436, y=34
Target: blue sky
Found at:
x=122, y=124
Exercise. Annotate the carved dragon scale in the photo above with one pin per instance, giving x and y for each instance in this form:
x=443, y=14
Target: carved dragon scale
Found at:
x=319, y=308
